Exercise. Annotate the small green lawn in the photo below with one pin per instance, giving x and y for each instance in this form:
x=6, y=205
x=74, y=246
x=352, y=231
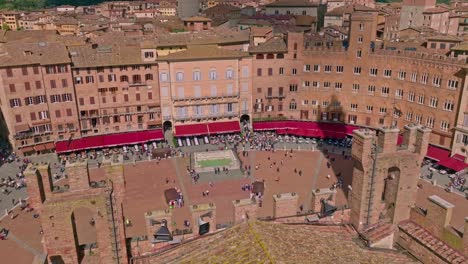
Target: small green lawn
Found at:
x=214, y=163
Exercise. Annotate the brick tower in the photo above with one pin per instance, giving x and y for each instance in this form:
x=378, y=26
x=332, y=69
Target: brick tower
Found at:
x=59, y=209
x=385, y=175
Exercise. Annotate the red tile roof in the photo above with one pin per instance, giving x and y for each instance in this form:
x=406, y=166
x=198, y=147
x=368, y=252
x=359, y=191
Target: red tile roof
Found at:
x=437, y=246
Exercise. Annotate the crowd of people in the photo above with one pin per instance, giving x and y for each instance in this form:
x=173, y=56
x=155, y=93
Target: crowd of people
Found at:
x=17, y=181
x=458, y=182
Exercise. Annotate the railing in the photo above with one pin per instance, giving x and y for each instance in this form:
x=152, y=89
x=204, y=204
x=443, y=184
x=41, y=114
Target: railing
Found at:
x=273, y=96
x=29, y=134
x=209, y=115
x=419, y=55
x=205, y=97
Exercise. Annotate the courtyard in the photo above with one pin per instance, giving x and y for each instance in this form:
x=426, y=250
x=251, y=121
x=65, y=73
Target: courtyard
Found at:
x=289, y=168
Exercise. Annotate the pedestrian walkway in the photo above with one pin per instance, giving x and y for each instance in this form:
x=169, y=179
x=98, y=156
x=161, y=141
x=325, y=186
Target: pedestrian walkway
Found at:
x=316, y=174
x=25, y=245
x=181, y=174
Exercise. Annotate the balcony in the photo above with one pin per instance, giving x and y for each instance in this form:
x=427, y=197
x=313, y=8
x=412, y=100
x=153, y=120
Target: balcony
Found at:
x=205, y=99
x=182, y=118
x=206, y=116
x=275, y=96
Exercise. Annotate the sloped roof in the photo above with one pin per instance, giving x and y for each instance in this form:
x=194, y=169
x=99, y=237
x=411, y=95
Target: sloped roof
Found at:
x=450, y=38
x=423, y=236
x=260, y=31
x=210, y=37
x=265, y=242
x=197, y=19
x=461, y=47
x=203, y=52
x=305, y=20
x=111, y=55
x=44, y=53
x=435, y=10
x=292, y=3
x=220, y=9
x=347, y=9
x=274, y=45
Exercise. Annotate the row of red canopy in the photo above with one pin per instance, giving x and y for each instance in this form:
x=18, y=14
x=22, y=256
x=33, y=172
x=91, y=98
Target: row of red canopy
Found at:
x=111, y=140
x=307, y=129
x=191, y=130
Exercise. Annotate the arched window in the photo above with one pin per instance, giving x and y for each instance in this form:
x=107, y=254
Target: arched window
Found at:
x=212, y=74
x=136, y=78
x=229, y=74
x=292, y=105
x=196, y=75
x=259, y=57
x=163, y=77
x=270, y=56
x=179, y=76
x=124, y=78
x=295, y=46
x=280, y=56
x=149, y=77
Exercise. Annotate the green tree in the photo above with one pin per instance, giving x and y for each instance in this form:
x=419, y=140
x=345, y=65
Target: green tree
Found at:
x=5, y=26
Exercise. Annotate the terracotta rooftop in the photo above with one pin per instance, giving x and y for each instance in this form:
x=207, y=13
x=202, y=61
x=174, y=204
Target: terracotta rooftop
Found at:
x=44, y=53
x=200, y=52
x=305, y=20
x=212, y=37
x=434, y=244
x=292, y=3
x=265, y=242
x=273, y=45
x=30, y=35
x=220, y=9
x=347, y=9
x=450, y=38
x=197, y=19
x=462, y=47
x=461, y=205
x=260, y=31
x=435, y=10
x=105, y=55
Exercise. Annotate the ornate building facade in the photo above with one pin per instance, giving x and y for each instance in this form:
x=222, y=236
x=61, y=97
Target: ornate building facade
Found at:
x=53, y=92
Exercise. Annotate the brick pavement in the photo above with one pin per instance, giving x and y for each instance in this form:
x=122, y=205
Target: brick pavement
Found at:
x=146, y=182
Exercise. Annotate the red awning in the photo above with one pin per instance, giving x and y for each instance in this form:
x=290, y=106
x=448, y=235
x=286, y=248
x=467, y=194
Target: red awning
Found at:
x=191, y=130
x=306, y=129
x=454, y=163
x=437, y=153
x=224, y=127
x=110, y=140
x=27, y=149
x=271, y=125
x=49, y=146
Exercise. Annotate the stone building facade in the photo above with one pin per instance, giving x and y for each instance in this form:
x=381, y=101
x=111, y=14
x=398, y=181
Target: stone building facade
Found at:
x=131, y=86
